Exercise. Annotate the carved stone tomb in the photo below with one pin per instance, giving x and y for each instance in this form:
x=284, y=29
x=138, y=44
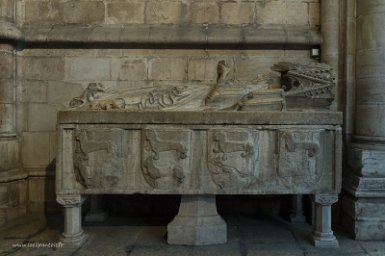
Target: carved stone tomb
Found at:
x=200, y=141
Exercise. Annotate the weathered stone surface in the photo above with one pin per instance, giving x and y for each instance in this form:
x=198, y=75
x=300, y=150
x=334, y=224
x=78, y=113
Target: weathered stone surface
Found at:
x=314, y=14
x=292, y=10
x=42, y=117
x=202, y=69
x=6, y=65
x=7, y=112
x=237, y=12
x=60, y=93
x=7, y=10
x=86, y=12
x=17, y=193
x=12, y=201
x=373, y=115
x=125, y=12
x=167, y=69
x=38, y=12
x=204, y=12
x=3, y=203
x=43, y=68
x=166, y=12
x=267, y=12
x=132, y=69
x=34, y=91
x=32, y=157
x=364, y=218
x=246, y=68
x=9, y=150
x=87, y=69
x=370, y=90
x=41, y=194
x=366, y=162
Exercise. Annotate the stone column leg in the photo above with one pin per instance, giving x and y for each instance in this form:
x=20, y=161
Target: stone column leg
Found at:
x=73, y=235
x=297, y=209
x=197, y=222
x=97, y=213
x=323, y=235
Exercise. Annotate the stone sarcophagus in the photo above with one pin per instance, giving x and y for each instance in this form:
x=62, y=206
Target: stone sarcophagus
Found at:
x=142, y=144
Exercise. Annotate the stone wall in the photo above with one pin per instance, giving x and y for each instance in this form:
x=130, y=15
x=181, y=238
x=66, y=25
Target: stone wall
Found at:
x=131, y=12
x=48, y=77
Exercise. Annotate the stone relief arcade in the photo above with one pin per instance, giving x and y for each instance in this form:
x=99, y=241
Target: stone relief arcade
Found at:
x=262, y=111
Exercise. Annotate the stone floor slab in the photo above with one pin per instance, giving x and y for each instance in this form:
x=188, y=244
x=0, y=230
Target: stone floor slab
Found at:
x=247, y=236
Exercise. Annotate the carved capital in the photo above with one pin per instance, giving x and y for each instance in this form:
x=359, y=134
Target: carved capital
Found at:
x=70, y=200
x=325, y=199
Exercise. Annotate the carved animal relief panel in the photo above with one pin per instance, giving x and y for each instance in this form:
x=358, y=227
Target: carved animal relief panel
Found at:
x=165, y=157
x=232, y=157
x=99, y=157
x=298, y=151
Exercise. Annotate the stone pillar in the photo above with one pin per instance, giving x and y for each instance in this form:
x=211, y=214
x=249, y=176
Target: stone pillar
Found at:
x=97, y=212
x=323, y=235
x=330, y=13
x=197, y=222
x=9, y=144
x=73, y=235
x=364, y=186
x=349, y=68
x=9, y=150
x=297, y=209
x=10, y=170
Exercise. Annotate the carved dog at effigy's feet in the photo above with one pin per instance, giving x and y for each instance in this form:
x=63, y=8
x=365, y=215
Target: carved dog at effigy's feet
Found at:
x=90, y=94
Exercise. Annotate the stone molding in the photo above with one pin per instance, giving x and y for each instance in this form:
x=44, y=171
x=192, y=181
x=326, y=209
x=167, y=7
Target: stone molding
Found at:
x=202, y=118
x=70, y=200
x=177, y=35
x=325, y=199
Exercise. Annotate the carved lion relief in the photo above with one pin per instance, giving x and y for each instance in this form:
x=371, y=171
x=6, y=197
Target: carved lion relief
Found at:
x=165, y=157
x=232, y=157
x=99, y=157
x=297, y=157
